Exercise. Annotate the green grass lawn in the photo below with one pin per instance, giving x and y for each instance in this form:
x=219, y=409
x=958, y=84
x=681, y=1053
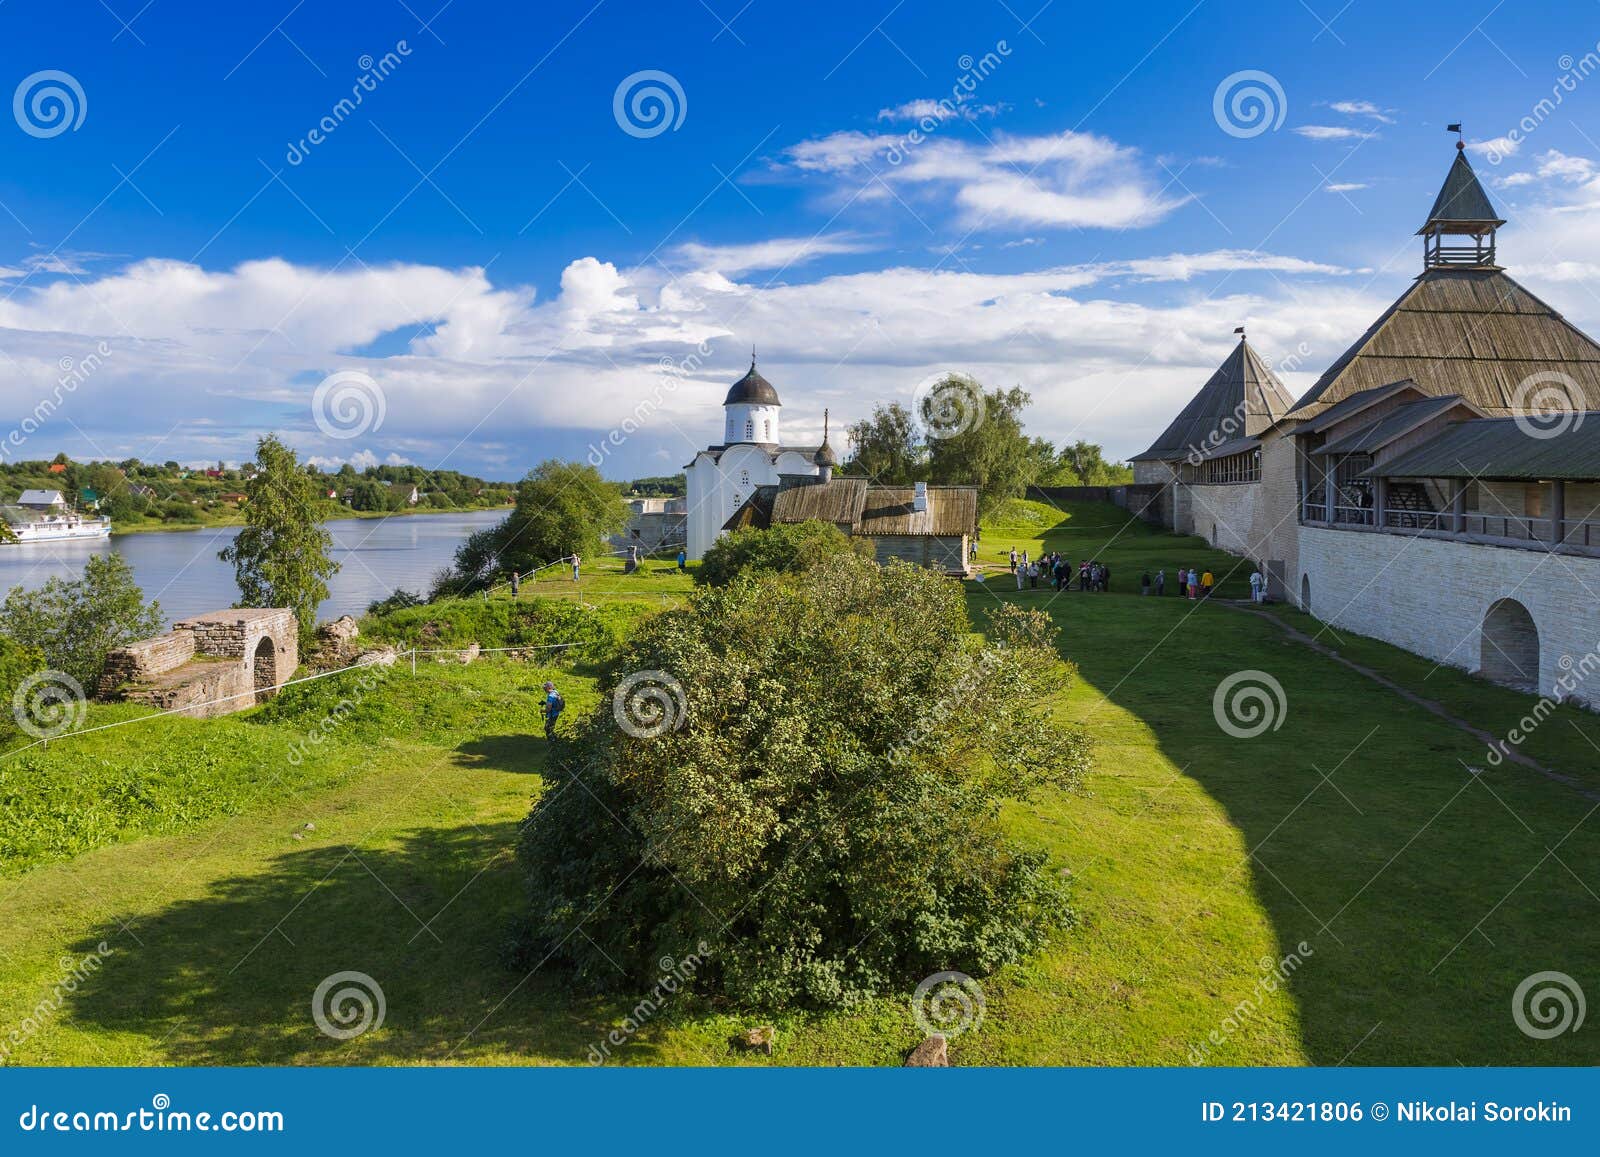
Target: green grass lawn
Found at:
x=1422, y=892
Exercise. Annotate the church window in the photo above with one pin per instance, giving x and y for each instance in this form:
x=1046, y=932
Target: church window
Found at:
x=744, y=478
x=749, y=429
x=766, y=430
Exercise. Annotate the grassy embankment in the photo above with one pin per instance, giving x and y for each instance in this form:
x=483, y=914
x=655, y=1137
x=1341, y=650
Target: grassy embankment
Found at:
x=1424, y=892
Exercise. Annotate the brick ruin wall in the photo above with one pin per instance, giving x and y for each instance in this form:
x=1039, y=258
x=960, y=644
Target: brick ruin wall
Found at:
x=207, y=665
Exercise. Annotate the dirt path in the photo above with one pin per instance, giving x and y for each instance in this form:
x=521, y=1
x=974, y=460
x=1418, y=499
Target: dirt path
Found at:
x=1495, y=742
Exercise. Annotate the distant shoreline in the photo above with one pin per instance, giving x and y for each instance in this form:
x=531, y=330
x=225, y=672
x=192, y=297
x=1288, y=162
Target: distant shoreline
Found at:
x=344, y=516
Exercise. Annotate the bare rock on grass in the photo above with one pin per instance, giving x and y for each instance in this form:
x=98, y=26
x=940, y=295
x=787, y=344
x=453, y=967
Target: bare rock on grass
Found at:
x=932, y=1053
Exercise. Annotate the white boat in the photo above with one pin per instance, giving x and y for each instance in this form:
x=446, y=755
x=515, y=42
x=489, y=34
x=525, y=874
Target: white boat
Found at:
x=45, y=516
x=54, y=527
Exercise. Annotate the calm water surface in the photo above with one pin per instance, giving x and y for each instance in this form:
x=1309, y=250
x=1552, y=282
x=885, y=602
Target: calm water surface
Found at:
x=181, y=570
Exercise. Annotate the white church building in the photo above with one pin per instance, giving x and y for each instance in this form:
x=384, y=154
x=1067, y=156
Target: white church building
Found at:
x=721, y=478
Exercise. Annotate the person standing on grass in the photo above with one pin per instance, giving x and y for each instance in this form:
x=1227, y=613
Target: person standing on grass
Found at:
x=554, y=705
x=516, y=581
x=1144, y=583
x=1017, y=570
x=1161, y=583
x=576, y=563
x=1013, y=558
x=683, y=558
x=1255, y=585
x=1207, y=580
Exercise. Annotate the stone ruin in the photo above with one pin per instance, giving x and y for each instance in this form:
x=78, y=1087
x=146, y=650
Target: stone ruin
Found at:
x=210, y=664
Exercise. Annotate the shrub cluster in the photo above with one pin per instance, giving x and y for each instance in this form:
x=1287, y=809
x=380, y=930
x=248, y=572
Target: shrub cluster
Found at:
x=821, y=805
x=787, y=548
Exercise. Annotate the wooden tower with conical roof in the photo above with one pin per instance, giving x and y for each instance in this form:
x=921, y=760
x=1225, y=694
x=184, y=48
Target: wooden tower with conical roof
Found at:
x=1461, y=211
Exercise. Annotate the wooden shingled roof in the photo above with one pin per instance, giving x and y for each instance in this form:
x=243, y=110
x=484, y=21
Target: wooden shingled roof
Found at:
x=1473, y=332
x=1241, y=399
x=1502, y=448
x=859, y=508
x=838, y=501
x=952, y=510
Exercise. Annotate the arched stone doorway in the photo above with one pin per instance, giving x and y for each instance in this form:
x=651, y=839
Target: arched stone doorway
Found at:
x=266, y=669
x=1509, y=651
x=1305, y=593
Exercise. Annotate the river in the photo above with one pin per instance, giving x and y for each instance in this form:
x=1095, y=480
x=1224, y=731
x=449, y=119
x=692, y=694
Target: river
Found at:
x=181, y=569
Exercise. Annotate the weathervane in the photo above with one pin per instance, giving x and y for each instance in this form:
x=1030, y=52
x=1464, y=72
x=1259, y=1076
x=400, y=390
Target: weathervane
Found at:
x=1456, y=128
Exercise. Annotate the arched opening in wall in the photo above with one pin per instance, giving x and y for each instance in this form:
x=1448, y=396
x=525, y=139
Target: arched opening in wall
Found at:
x=1509, y=651
x=265, y=665
x=1305, y=593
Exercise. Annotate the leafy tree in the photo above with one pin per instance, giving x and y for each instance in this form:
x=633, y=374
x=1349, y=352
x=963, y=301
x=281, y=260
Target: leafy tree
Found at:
x=784, y=549
x=817, y=799
x=886, y=448
x=75, y=623
x=994, y=454
x=561, y=507
x=476, y=560
x=370, y=494
x=1084, y=464
x=280, y=558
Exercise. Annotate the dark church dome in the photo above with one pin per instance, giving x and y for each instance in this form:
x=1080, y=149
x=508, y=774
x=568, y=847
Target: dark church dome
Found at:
x=752, y=390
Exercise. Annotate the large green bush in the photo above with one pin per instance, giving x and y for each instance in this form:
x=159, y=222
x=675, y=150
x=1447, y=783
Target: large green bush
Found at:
x=784, y=549
x=821, y=804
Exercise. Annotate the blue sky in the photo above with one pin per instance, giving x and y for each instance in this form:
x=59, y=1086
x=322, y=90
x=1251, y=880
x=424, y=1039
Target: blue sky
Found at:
x=496, y=263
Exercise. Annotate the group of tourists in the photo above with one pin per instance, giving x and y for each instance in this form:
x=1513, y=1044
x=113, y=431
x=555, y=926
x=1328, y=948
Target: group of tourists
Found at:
x=1093, y=575
x=1057, y=570
x=1193, y=583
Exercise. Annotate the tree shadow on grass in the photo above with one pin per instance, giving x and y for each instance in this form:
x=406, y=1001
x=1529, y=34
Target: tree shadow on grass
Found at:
x=520, y=754
x=1424, y=889
x=230, y=978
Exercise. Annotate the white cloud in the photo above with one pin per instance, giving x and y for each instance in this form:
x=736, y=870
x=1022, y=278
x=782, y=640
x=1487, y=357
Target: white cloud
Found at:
x=916, y=110
x=939, y=110
x=1495, y=147
x=1345, y=186
x=1553, y=238
x=775, y=253
x=1333, y=133
x=200, y=361
x=1065, y=180
x=1362, y=108
x=1513, y=180
x=1559, y=166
